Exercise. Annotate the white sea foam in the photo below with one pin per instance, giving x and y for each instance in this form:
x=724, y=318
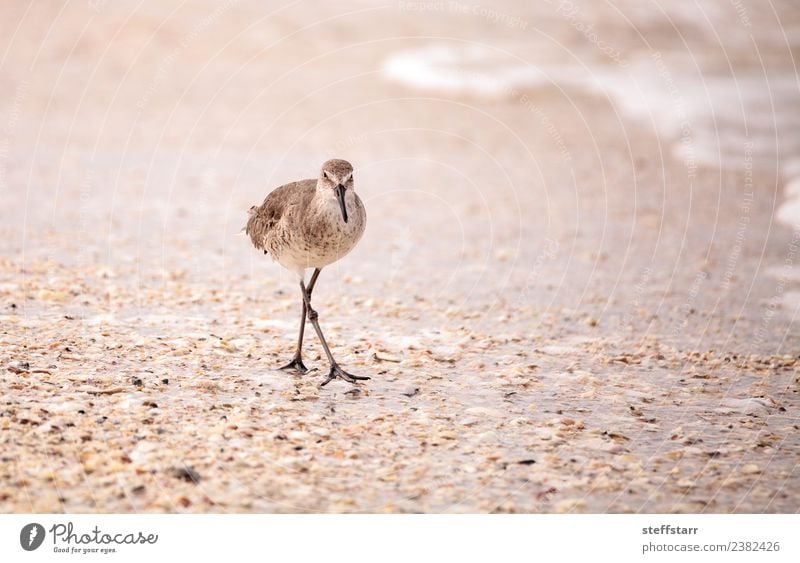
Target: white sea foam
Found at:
x=789, y=211
x=471, y=69
x=716, y=120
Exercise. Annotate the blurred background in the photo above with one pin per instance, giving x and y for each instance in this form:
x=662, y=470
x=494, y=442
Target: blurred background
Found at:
x=496, y=146
x=556, y=183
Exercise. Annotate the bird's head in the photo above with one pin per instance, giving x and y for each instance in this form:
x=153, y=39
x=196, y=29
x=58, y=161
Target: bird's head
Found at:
x=337, y=175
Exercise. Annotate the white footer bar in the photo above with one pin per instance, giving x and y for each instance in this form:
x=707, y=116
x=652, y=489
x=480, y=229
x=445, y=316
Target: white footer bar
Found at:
x=401, y=538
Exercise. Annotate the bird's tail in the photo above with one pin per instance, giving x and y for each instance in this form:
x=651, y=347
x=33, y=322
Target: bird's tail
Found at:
x=250, y=213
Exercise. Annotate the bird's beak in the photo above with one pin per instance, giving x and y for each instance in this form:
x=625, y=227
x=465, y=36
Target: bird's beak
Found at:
x=340, y=191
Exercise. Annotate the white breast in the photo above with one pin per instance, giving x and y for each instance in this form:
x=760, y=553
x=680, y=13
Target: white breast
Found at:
x=327, y=238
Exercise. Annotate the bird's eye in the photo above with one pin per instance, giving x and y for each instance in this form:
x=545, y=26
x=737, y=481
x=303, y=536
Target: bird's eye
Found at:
x=325, y=173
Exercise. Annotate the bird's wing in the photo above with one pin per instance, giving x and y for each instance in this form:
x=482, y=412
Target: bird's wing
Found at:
x=277, y=206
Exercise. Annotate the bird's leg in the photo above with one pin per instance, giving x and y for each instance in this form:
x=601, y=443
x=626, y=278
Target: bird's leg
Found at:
x=297, y=361
x=336, y=371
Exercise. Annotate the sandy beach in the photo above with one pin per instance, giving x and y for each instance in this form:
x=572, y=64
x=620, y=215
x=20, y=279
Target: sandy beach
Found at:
x=577, y=291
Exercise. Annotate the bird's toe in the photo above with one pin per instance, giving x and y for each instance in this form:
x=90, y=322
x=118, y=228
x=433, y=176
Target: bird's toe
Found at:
x=296, y=365
x=338, y=373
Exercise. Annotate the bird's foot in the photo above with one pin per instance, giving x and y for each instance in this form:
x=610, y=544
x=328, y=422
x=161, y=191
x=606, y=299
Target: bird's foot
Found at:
x=338, y=373
x=295, y=365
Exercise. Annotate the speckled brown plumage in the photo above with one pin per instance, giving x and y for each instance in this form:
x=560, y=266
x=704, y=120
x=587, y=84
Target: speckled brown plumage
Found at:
x=310, y=224
x=300, y=225
x=267, y=224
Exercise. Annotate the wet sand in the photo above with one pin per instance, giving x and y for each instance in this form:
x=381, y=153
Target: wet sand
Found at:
x=559, y=311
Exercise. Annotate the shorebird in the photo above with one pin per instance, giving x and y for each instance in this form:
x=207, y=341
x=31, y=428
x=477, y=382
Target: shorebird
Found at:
x=310, y=224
